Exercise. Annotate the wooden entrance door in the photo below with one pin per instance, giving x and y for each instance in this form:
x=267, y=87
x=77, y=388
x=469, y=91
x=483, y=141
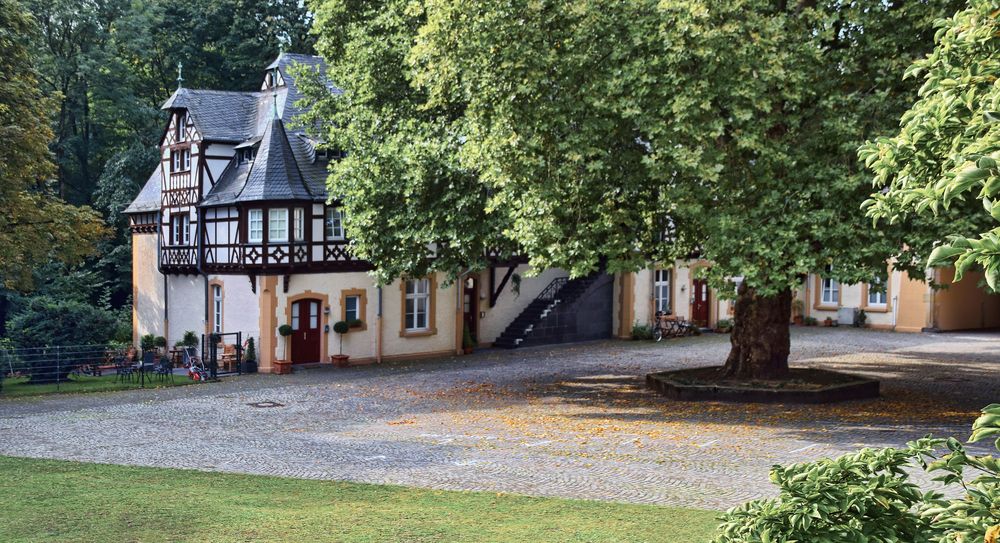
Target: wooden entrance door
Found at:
x=699, y=302
x=306, y=333
x=470, y=307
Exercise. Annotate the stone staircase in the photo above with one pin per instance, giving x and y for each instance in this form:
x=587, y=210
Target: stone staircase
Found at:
x=567, y=310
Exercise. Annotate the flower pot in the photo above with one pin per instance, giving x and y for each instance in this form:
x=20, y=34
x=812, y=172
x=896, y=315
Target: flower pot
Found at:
x=340, y=360
x=282, y=367
x=797, y=320
x=467, y=350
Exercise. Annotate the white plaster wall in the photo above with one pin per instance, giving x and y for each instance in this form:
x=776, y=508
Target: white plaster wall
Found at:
x=643, y=297
x=147, y=289
x=185, y=306
x=240, y=306
x=510, y=305
x=445, y=309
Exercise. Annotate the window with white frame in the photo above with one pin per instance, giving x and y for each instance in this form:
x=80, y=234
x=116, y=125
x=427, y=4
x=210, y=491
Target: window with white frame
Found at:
x=829, y=290
x=352, y=308
x=180, y=229
x=186, y=159
x=299, y=224
x=877, y=294
x=662, y=280
x=277, y=225
x=334, y=223
x=175, y=161
x=181, y=127
x=255, y=226
x=217, y=309
x=418, y=301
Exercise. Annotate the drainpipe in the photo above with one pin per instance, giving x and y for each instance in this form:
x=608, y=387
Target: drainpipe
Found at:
x=378, y=326
x=201, y=270
x=895, y=309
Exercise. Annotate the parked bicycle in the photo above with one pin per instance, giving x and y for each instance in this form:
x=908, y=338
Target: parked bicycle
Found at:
x=665, y=325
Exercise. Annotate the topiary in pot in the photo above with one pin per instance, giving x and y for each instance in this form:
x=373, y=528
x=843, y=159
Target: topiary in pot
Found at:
x=341, y=328
x=468, y=344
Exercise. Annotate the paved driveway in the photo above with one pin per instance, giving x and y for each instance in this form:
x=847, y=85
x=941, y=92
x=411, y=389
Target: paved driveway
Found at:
x=573, y=421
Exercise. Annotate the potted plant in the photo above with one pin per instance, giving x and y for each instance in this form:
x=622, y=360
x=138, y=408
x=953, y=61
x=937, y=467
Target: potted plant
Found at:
x=355, y=323
x=797, y=309
x=284, y=366
x=160, y=342
x=809, y=321
x=724, y=326
x=250, y=357
x=860, y=319
x=468, y=344
x=147, y=342
x=828, y=322
x=341, y=328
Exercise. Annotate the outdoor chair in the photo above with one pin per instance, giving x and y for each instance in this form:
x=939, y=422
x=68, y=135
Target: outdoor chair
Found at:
x=228, y=358
x=123, y=369
x=165, y=369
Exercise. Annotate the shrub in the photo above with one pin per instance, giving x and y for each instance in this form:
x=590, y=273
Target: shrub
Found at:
x=724, y=325
x=147, y=342
x=341, y=327
x=467, y=341
x=860, y=319
x=251, y=352
x=49, y=322
x=642, y=331
x=867, y=496
x=285, y=330
x=189, y=339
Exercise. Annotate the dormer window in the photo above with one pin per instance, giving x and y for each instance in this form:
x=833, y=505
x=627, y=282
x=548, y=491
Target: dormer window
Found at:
x=246, y=155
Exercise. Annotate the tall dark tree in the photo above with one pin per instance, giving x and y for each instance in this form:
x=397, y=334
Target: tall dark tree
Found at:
x=35, y=226
x=632, y=131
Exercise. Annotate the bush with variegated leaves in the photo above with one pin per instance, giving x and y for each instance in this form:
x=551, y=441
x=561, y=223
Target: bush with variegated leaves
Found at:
x=868, y=497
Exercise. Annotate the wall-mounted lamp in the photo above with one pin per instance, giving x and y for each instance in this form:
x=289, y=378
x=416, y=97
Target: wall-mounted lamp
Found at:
x=683, y=288
x=326, y=311
x=326, y=328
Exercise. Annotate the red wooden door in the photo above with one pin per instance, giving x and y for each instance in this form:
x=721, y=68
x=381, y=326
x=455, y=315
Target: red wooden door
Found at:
x=306, y=334
x=699, y=303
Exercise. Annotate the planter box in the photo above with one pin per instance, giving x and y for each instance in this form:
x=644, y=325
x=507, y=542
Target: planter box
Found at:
x=340, y=360
x=282, y=367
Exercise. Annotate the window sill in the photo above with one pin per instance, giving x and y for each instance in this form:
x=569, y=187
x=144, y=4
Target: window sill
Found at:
x=876, y=308
x=827, y=307
x=418, y=333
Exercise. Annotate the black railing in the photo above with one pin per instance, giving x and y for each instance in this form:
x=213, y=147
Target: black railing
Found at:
x=549, y=293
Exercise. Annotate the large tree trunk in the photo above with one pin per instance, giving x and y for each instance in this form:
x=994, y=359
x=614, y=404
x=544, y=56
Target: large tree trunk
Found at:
x=760, y=336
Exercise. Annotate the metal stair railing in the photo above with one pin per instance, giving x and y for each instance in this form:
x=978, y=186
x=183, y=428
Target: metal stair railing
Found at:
x=549, y=292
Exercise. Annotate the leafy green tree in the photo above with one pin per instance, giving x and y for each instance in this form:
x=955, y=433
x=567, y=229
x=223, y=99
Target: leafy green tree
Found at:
x=944, y=159
x=35, y=226
x=583, y=132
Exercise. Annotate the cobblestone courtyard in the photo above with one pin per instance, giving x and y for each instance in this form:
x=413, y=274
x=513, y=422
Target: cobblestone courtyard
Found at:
x=570, y=421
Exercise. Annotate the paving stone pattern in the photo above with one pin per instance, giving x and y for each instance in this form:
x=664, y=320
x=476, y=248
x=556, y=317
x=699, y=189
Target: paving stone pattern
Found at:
x=571, y=421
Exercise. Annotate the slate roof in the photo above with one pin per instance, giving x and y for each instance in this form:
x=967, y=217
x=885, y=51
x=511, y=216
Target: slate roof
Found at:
x=149, y=197
x=218, y=115
x=286, y=166
x=273, y=175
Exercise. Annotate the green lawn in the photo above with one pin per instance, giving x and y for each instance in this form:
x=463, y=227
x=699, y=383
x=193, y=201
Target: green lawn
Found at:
x=19, y=386
x=44, y=500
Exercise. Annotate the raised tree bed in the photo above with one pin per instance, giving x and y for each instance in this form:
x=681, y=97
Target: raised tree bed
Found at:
x=803, y=385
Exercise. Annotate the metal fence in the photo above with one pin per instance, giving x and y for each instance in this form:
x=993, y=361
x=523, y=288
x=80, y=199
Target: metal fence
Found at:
x=82, y=367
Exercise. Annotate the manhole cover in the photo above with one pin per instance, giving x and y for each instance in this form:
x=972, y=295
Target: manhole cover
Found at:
x=264, y=405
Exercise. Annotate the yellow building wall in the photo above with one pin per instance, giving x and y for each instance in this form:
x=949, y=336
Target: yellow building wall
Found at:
x=964, y=305
x=147, y=288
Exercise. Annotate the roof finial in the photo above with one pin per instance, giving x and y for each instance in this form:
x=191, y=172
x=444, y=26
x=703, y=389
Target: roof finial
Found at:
x=180, y=77
x=274, y=91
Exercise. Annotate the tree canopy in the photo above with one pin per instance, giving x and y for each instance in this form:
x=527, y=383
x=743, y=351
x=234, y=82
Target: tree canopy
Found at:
x=943, y=162
x=574, y=132
x=35, y=226
x=635, y=131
